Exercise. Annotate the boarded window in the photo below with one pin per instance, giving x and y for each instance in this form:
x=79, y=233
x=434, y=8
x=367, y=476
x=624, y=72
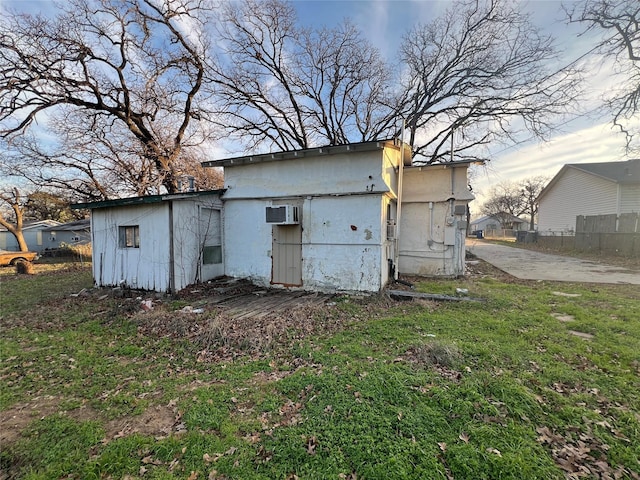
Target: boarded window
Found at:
x=129, y=236
x=212, y=254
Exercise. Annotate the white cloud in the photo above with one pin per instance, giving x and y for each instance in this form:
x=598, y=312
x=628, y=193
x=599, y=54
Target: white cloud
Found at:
x=597, y=143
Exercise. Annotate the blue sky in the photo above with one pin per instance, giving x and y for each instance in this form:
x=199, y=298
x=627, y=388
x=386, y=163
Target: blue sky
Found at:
x=589, y=137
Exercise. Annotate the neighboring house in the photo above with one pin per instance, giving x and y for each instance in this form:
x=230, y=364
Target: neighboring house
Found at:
x=588, y=189
x=160, y=242
x=499, y=221
x=339, y=218
x=34, y=234
x=69, y=233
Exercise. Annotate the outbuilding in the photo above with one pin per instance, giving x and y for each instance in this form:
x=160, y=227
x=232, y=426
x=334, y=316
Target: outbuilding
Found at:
x=160, y=242
x=342, y=218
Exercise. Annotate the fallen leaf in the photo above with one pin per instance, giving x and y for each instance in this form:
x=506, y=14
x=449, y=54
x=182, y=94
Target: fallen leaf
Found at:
x=443, y=446
x=464, y=437
x=495, y=451
x=312, y=443
x=193, y=476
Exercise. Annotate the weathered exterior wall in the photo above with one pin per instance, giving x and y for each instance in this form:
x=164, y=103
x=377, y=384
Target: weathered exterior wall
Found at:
x=146, y=267
x=342, y=202
x=432, y=238
x=247, y=235
x=149, y=266
x=188, y=238
x=575, y=193
x=343, y=240
x=354, y=172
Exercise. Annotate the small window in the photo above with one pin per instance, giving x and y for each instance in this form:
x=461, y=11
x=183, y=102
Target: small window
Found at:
x=129, y=237
x=212, y=255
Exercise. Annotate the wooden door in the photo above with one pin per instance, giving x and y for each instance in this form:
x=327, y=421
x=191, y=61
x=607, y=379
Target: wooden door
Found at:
x=286, y=255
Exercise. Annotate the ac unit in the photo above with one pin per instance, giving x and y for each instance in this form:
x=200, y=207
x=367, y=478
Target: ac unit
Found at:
x=282, y=215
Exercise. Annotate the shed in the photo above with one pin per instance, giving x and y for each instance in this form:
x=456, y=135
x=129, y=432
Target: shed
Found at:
x=588, y=189
x=158, y=242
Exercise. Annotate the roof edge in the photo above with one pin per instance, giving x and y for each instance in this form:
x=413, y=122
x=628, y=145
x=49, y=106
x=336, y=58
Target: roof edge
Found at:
x=143, y=200
x=308, y=152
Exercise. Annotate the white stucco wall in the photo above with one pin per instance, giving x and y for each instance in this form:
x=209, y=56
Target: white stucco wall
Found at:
x=355, y=172
x=247, y=252
x=342, y=241
x=432, y=239
x=342, y=199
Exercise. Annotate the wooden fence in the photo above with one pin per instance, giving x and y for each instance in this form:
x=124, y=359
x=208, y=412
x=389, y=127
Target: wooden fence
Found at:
x=613, y=234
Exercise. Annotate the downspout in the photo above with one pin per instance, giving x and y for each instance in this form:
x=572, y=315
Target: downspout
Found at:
x=396, y=260
x=172, y=273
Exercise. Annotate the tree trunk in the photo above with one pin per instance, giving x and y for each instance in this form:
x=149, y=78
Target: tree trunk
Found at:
x=13, y=199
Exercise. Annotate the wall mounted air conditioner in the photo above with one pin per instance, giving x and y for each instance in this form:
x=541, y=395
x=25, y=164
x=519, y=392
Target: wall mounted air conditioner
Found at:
x=282, y=215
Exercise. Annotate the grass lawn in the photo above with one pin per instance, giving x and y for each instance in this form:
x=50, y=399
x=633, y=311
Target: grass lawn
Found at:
x=541, y=380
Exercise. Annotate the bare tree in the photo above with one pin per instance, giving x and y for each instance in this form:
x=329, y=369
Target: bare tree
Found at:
x=530, y=189
x=619, y=20
x=12, y=215
x=479, y=72
x=292, y=88
x=127, y=65
x=515, y=198
x=90, y=161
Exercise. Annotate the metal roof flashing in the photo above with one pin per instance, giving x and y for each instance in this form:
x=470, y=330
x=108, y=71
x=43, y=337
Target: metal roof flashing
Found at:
x=144, y=200
x=309, y=152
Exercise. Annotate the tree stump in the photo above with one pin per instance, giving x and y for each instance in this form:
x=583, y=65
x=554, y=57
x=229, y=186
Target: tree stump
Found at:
x=24, y=268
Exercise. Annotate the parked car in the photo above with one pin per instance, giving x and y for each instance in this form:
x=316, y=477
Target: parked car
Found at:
x=11, y=258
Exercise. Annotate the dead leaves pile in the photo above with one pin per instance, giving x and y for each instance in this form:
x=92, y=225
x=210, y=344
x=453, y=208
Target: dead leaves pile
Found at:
x=580, y=454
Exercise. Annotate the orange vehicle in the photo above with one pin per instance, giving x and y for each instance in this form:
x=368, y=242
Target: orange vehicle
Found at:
x=11, y=258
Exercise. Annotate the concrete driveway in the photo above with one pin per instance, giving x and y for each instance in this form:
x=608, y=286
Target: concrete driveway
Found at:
x=531, y=265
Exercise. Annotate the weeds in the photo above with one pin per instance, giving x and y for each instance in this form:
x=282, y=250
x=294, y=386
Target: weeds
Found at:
x=95, y=387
